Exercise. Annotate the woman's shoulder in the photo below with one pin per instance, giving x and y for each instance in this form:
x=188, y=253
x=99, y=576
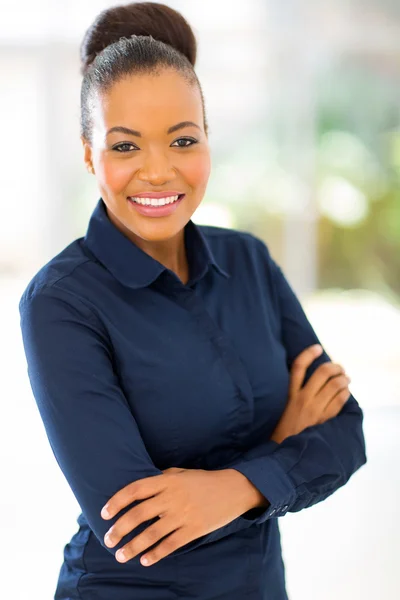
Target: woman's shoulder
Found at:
x=235, y=242
x=61, y=271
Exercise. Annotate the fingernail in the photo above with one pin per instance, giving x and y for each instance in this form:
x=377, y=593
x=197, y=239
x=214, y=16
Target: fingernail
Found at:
x=104, y=512
x=121, y=555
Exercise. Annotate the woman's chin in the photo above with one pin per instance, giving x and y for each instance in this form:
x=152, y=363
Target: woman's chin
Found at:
x=156, y=230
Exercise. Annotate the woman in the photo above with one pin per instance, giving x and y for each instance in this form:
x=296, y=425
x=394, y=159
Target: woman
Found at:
x=168, y=359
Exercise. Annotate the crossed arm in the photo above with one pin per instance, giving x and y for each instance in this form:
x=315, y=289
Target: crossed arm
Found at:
x=268, y=481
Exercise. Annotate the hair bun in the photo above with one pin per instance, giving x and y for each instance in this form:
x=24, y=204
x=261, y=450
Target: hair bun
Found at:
x=138, y=18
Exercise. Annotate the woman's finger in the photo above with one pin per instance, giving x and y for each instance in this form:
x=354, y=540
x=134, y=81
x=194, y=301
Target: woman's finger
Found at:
x=321, y=377
x=150, y=536
x=331, y=388
x=170, y=544
x=146, y=510
x=335, y=405
x=300, y=366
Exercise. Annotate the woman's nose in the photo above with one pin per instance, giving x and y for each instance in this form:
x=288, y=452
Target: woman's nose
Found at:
x=156, y=169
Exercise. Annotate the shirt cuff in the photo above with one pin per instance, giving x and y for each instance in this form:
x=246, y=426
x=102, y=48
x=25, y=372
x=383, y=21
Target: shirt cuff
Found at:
x=274, y=484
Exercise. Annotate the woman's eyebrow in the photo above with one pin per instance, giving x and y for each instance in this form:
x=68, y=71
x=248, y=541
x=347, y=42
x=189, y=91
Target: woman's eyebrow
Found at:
x=126, y=130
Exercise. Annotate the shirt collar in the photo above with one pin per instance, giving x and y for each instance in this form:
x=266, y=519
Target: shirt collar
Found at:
x=130, y=264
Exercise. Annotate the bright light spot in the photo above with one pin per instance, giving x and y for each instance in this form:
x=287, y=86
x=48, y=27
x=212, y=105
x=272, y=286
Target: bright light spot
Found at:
x=342, y=202
x=214, y=214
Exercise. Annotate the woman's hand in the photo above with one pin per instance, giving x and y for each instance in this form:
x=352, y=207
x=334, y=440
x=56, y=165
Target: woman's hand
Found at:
x=322, y=397
x=189, y=502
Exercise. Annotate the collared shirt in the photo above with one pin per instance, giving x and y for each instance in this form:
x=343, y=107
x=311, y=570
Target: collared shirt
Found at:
x=134, y=372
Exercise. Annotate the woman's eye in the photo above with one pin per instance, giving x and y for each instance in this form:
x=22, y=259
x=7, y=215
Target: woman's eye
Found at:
x=127, y=147
x=123, y=147
x=191, y=140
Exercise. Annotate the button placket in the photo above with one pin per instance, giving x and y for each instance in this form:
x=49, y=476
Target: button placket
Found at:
x=229, y=357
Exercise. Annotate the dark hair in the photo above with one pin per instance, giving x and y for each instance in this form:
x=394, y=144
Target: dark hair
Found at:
x=141, y=37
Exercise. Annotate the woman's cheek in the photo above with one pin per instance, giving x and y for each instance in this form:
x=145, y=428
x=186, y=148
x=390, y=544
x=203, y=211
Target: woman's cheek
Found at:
x=197, y=171
x=115, y=175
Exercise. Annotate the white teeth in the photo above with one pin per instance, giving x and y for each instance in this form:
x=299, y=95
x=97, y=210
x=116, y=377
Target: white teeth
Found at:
x=155, y=201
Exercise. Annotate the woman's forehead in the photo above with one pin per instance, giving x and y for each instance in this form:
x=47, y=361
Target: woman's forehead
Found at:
x=149, y=101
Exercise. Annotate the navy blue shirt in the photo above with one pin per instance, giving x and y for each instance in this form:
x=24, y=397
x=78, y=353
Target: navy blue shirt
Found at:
x=134, y=371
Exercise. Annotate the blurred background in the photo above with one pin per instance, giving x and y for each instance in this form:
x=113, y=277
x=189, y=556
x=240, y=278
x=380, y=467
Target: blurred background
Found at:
x=303, y=105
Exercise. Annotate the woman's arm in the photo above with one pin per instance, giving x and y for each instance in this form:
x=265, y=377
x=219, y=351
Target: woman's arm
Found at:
x=91, y=429
x=308, y=467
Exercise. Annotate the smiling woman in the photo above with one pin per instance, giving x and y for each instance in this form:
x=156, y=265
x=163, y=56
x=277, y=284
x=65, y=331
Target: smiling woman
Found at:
x=137, y=94
x=169, y=156
x=159, y=351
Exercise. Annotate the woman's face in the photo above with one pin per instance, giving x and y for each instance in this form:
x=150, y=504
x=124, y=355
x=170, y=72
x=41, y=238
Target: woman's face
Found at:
x=128, y=164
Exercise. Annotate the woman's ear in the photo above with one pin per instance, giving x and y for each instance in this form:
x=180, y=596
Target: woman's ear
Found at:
x=87, y=155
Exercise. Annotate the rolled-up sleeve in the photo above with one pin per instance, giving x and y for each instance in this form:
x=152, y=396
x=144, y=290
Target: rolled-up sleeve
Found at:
x=308, y=467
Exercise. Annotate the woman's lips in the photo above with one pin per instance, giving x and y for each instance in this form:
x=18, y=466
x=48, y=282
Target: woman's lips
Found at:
x=156, y=211
x=163, y=194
